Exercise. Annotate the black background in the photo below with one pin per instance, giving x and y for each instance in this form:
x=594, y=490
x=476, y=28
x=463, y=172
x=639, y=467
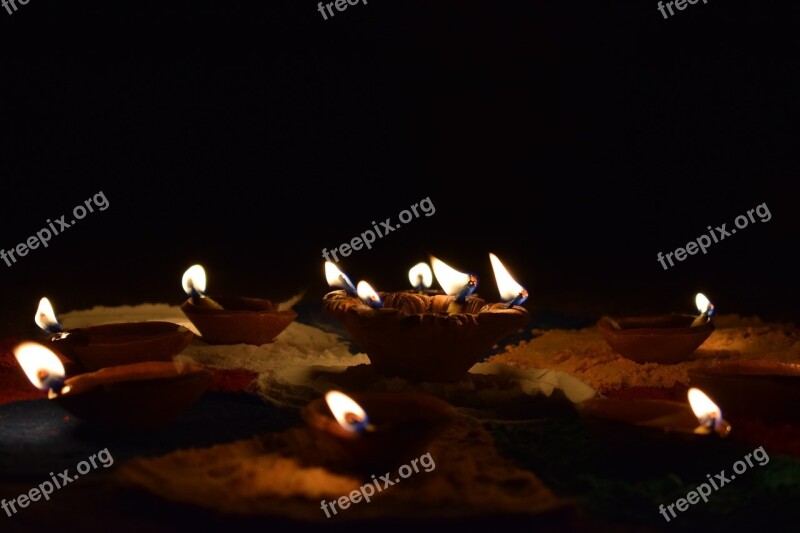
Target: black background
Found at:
x=574, y=140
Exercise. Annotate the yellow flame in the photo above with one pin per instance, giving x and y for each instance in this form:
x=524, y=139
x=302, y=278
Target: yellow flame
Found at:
x=703, y=407
x=194, y=277
x=332, y=274
x=366, y=292
x=702, y=302
x=45, y=315
x=450, y=279
x=38, y=361
x=509, y=289
x=421, y=270
x=345, y=410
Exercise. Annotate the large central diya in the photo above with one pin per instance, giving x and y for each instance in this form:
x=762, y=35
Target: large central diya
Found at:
x=419, y=336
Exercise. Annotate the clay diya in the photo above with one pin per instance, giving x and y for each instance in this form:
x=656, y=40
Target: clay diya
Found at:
x=376, y=430
x=668, y=426
x=753, y=389
x=664, y=339
x=140, y=396
x=232, y=320
x=96, y=347
x=428, y=336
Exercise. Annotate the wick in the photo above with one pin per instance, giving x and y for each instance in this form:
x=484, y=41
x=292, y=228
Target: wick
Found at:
x=518, y=299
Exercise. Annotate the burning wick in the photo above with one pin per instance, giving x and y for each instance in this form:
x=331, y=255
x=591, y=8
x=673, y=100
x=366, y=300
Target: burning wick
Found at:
x=421, y=277
x=454, y=283
x=44, y=370
x=338, y=279
x=348, y=413
x=46, y=319
x=510, y=291
x=368, y=295
x=194, y=284
x=708, y=414
x=705, y=307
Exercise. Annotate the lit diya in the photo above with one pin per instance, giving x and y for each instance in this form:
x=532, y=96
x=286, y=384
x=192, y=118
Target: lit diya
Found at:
x=374, y=430
x=96, y=347
x=427, y=336
x=665, y=339
x=140, y=396
x=767, y=390
x=231, y=320
x=625, y=423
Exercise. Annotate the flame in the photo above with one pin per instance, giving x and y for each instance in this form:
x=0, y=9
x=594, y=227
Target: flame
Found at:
x=336, y=278
x=420, y=274
x=45, y=317
x=194, y=280
x=703, y=304
x=40, y=364
x=509, y=289
x=452, y=281
x=347, y=412
x=704, y=409
x=368, y=294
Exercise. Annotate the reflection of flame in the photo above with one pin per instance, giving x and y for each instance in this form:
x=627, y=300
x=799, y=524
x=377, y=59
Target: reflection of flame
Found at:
x=368, y=294
x=194, y=281
x=451, y=280
x=705, y=410
x=510, y=290
x=703, y=304
x=42, y=367
x=347, y=412
x=420, y=276
x=46, y=318
x=338, y=279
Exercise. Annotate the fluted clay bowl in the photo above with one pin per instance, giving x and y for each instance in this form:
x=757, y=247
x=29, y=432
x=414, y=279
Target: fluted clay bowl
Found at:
x=664, y=339
x=241, y=321
x=413, y=337
x=141, y=396
x=403, y=425
x=754, y=389
x=96, y=347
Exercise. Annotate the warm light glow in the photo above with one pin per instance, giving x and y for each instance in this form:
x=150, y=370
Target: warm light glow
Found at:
x=704, y=409
x=194, y=280
x=368, y=294
x=509, y=289
x=452, y=281
x=420, y=274
x=347, y=412
x=338, y=279
x=40, y=364
x=45, y=317
x=702, y=302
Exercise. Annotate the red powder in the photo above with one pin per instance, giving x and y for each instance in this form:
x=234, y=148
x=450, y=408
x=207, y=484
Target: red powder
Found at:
x=232, y=379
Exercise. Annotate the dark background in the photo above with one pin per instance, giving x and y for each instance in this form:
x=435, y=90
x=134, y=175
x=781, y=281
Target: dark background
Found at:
x=574, y=140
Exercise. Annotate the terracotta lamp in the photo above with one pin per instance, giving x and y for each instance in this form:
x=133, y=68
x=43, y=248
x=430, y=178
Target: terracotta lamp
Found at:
x=232, y=320
x=140, y=396
x=377, y=430
x=664, y=339
x=423, y=337
x=96, y=347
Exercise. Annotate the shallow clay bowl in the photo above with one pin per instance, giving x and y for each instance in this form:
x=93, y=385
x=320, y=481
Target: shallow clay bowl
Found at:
x=404, y=424
x=760, y=389
x=664, y=339
x=648, y=432
x=242, y=321
x=96, y=347
x=413, y=337
x=141, y=396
